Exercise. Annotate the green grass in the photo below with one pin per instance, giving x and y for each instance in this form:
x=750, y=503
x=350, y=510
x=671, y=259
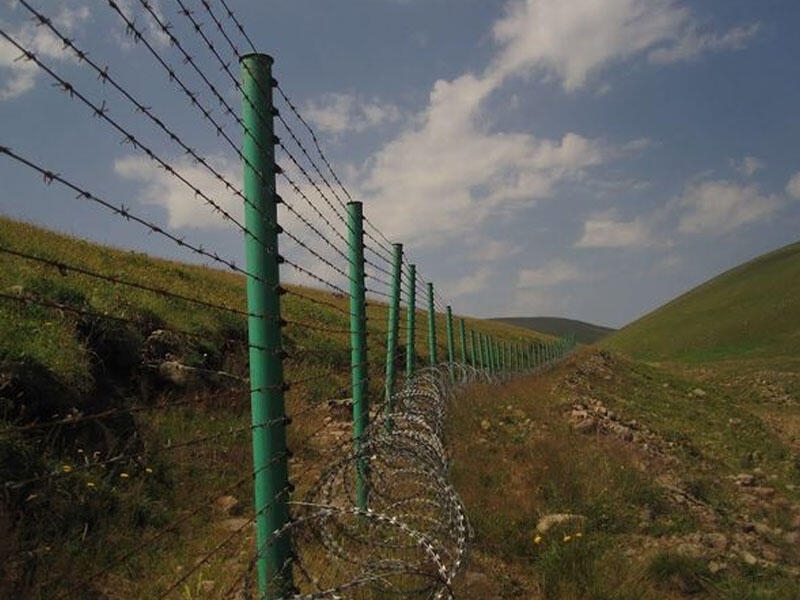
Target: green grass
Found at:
x=528, y=462
x=751, y=312
x=54, y=363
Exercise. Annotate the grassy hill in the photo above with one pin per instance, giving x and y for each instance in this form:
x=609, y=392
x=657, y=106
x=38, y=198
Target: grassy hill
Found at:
x=124, y=413
x=750, y=312
x=682, y=483
x=607, y=478
x=585, y=333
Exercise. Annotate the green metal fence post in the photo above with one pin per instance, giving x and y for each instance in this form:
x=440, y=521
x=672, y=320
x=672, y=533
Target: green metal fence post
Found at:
x=358, y=346
x=431, y=328
x=462, y=330
x=484, y=352
x=473, y=357
x=411, y=320
x=391, y=334
x=451, y=343
x=270, y=455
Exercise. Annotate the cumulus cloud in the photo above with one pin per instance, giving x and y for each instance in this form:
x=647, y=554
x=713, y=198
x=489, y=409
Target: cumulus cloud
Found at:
x=20, y=74
x=605, y=231
x=723, y=206
x=574, y=40
x=494, y=250
x=183, y=208
x=793, y=187
x=144, y=22
x=340, y=113
x=469, y=284
x=748, y=166
x=450, y=170
x=551, y=274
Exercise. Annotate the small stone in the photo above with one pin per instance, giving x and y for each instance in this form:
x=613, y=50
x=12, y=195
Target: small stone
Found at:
x=763, y=492
x=749, y=559
x=717, y=541
x=236, y=524
x=699, y=393
x=715, y=567
x=228, y=505
x=587, y=425
x=689, y=549
x=762, y=529
x=567, y=520
x=745, y=479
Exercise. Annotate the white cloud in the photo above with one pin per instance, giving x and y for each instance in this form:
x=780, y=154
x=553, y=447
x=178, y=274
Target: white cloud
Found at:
x=604, y=231
x=723, y=206
x=339, y=113
x=574, y=40
x=693, y=43
x=748, y=166
x=469, y=284
x=793, y=187
x=145, y=23
x=450, y=172
x=21, y=73
x=494, y=250
x=183, y=208
x=551, y=274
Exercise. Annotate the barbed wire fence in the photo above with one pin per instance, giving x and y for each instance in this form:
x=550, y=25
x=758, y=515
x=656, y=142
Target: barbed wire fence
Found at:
x=349, y=470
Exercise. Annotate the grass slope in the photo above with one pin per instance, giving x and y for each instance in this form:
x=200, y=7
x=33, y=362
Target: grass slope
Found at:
x=651, y=472
x=183, y=444
x=585, y=333
x=750, y=312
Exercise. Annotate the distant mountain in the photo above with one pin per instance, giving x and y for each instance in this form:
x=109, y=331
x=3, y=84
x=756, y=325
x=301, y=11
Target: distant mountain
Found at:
x=585, y=333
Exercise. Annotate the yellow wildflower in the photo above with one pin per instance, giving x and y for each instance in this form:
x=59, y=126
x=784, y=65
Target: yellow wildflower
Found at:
x=579, y=534
x=124, y=475
x=89, y=484
x=148, y=470
x=537, y=539
x=66, y=468
x=567, y=538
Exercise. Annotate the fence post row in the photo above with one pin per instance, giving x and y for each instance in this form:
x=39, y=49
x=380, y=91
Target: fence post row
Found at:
x=472, y=355
x=358, y=346
x=451, y=358
x=462, y=334
x=431, y=328
x=270, y=456
x=411, y=322
x=393, y=324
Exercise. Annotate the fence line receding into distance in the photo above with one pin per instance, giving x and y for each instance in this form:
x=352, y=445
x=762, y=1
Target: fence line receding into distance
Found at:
x=349, y=473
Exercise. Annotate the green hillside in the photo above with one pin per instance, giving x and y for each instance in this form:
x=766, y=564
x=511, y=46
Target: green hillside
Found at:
x=750, y=312
x=585, y=333
x=124, y=412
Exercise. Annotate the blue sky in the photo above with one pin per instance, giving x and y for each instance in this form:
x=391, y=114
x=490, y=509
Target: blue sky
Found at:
x=581, y=158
